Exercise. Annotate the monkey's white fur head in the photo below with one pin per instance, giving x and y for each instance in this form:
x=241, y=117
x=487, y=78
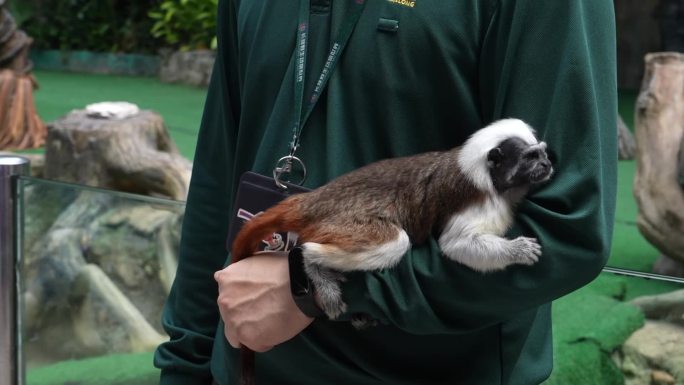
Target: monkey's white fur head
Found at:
x=473, y=154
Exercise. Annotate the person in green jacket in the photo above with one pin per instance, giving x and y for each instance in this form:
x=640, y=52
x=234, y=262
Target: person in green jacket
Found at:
x=414, y=76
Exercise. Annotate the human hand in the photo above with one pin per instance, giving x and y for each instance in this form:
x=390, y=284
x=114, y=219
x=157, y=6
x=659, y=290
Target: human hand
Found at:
x=256, y=304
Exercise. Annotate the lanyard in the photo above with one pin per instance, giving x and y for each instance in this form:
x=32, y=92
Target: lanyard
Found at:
x=303, y=107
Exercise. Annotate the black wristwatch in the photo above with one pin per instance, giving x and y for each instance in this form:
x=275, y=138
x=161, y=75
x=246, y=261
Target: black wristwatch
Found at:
x=303, y=290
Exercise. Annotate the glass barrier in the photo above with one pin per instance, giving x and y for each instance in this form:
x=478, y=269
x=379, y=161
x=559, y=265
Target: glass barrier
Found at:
x=631, y=252
x=96, y=266
x=95, y=269
x=630, y=249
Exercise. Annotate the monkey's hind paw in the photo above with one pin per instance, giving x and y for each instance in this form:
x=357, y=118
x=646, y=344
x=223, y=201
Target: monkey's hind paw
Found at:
x=363, y=321
x=333, y=307
x=328, y=290
x=330, y=297
x=526, y=250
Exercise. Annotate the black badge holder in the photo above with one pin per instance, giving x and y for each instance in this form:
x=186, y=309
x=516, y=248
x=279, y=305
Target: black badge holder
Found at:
x=256, y=193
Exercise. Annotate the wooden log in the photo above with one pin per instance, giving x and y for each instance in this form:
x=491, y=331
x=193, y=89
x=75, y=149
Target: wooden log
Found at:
x=659, y=134
x=20, y=125
x=626, y=143
x=133, y=154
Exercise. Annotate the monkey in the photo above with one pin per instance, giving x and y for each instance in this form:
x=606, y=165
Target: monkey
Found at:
x=369, y=218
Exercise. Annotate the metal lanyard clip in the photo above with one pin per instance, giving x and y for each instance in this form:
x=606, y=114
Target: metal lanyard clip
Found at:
x=287, y=164
x=286, y=167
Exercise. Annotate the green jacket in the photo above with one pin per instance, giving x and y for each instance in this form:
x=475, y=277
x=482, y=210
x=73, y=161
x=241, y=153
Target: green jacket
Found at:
x=450, y=68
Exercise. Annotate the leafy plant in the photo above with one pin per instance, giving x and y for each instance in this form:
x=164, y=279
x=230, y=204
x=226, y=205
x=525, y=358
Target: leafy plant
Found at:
x=20, y=10
x=186, y=24
x=102, y=25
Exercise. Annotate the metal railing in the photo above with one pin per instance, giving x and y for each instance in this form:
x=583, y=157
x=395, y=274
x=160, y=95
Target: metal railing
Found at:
x=10, y=366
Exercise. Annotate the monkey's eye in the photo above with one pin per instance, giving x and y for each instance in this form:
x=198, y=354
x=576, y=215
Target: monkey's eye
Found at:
x=532, y=155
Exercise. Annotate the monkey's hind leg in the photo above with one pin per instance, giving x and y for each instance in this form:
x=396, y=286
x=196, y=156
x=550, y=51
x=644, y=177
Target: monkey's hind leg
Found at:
x=327, y=283
x=371, y=246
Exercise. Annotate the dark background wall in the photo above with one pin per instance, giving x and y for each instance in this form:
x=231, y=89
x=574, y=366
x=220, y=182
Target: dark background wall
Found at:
x=645, y=26
x=637, y=34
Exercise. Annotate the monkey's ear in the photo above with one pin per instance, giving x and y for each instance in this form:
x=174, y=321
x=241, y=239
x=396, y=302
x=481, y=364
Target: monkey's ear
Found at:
x=494, y=157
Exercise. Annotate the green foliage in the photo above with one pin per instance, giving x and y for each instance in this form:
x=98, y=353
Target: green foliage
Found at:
x=139, y=26
x=20, y=10
x=102, y=25
x=186, y=24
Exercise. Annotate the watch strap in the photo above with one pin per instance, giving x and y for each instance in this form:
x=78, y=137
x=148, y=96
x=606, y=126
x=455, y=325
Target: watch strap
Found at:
x=303, y=290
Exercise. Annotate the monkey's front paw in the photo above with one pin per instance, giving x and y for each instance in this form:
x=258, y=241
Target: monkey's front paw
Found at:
x=526, y=251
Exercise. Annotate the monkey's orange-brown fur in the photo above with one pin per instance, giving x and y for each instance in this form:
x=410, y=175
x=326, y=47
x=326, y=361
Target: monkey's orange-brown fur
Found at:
x=288, y=215
x=277, y=218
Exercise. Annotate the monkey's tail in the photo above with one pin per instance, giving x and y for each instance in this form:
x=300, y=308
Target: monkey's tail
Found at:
x=285, y=216
x=247, y=366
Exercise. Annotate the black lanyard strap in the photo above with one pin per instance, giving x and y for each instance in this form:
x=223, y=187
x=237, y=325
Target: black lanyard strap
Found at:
x=302, y=110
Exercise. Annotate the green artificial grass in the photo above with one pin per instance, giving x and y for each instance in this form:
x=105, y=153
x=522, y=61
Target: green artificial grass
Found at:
x=180, y=106
x=588, y=324
x=118, y=369
x=587, y=328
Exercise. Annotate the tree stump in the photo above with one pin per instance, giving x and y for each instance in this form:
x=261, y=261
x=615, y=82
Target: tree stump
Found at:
x=133, y=154
x=20, y=125
x=626, y=143
x=659, y=134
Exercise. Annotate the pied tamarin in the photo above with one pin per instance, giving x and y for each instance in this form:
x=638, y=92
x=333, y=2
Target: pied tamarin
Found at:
x=369, y=218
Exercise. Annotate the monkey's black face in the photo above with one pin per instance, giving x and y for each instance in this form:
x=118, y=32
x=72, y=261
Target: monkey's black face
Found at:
x=514, y=163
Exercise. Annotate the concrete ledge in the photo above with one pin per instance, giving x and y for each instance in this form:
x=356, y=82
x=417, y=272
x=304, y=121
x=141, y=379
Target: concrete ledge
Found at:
x=96, y=62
